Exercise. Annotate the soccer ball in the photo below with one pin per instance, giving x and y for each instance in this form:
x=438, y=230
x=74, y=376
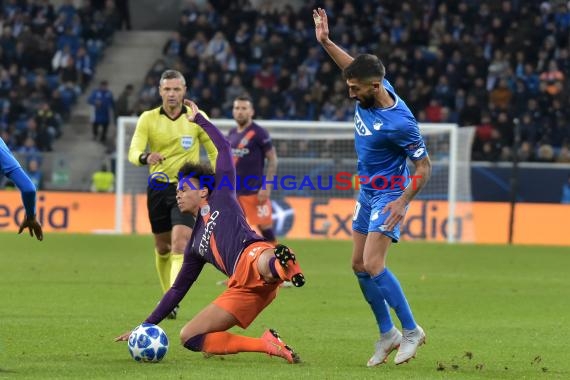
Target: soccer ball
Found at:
x=148, y=343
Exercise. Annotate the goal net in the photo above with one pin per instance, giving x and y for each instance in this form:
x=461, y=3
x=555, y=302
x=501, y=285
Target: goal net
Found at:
x=318, y=152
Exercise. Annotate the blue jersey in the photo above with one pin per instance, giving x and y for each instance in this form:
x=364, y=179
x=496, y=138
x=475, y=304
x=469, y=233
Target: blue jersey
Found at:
x=12, y=169
x=383, y=139
x=7, y=161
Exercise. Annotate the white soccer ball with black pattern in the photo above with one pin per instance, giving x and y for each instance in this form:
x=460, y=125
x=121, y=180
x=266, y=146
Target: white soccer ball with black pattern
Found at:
x=148, y=343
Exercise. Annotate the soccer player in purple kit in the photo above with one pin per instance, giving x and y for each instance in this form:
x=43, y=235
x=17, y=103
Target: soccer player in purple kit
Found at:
x=251, y=146
x=386, y=134
x=223, y=238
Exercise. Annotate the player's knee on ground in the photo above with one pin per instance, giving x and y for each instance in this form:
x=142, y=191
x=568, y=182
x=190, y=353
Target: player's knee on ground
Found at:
x=194, y=343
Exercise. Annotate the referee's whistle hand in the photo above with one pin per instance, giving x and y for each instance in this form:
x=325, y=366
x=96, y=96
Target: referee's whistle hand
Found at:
x=155, y=158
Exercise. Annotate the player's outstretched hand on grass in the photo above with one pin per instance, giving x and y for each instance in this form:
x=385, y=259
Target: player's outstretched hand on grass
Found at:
x=34, y=226
x=123, y=337
x=193, y=107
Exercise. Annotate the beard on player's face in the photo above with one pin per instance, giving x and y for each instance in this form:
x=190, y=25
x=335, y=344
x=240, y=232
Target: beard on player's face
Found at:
x=242, y=120
x=366, y=101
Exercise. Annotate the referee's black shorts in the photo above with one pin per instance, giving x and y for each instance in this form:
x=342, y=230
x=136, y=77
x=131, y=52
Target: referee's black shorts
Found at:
x=163, y=212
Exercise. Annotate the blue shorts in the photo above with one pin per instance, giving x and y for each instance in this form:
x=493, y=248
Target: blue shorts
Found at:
x=368, y=216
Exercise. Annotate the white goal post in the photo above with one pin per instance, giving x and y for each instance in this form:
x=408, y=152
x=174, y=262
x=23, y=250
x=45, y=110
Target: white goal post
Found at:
x=313, y=147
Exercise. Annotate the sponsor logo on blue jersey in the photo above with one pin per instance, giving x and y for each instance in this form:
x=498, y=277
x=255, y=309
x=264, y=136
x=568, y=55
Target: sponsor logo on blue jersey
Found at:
x=360, y=126
x=418, y=153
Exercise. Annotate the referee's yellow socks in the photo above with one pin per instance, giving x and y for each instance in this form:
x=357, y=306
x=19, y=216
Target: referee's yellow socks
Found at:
x=176, y=261
x=162, y=263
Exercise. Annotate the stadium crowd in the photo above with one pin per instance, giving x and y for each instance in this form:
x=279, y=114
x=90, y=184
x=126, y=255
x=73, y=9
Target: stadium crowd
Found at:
x=476, y=63
x=48, y=56
x=481, y=63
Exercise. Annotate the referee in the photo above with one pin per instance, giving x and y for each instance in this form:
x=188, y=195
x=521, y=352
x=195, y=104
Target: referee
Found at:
x=172, y=141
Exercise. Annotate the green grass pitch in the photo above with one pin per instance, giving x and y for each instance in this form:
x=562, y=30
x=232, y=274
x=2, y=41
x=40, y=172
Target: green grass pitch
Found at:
x=489, y=312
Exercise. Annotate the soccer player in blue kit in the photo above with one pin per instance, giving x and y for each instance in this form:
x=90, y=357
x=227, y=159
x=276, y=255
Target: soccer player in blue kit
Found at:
x=12, y=169
x=386, y=133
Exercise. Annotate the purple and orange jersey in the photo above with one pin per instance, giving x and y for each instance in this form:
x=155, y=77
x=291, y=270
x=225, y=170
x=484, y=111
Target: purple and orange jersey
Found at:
x=221, y=232
x=249, y=148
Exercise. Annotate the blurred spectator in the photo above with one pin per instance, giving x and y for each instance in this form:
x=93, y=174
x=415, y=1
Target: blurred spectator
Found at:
x=84, y=67
x=61, y=58
x=528, y=129
x=566, y=192
x=103, y=110
x=498, y=69
x=48, y=120
x=531, y=79
x=434, y=111
x=504, y=126
x=525, y=152
x=552, y=80
x=125, y=105
x=232, y=91
x=545, y=153
x=28, y=149
x=218, y=48
x=173, y=48
x=103, y=181
x=564, y=154
x=124, y=14
x=501, y=95
x=35, y=174
x=265, y=77
x=471, y=113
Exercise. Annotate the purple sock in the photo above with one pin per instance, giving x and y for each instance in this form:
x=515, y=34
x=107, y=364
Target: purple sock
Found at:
x=195, y=343
x=272, y=267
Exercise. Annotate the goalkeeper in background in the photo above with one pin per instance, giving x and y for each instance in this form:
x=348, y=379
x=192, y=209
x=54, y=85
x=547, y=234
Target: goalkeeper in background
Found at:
x=386, y=134
x=172, y=140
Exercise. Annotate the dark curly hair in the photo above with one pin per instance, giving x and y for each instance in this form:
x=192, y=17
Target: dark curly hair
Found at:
x=365, y=66
x=201, y=171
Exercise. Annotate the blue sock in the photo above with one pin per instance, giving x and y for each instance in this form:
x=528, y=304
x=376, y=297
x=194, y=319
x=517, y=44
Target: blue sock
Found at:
x=376, y=300
x=390, y=288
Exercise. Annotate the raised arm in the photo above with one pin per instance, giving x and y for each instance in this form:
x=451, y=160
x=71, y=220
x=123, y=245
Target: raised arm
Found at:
x=339, y=56
x=208, y=145
x=224, y=162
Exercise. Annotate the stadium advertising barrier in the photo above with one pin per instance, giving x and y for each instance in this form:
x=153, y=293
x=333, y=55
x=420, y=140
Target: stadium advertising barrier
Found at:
x=302, y=217
x=61, y=211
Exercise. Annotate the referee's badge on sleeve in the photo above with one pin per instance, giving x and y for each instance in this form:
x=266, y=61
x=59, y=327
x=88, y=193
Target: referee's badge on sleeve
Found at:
x=186, y=142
